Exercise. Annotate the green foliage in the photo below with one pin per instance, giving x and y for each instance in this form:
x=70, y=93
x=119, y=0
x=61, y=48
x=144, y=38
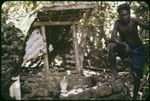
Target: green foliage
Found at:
x=12, y=41
x=146, y=51
x=146, y=69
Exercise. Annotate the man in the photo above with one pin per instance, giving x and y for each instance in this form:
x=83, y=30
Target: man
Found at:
x=130, y=44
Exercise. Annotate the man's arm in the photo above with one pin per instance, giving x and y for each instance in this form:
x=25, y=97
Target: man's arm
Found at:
x=114, y=34
x=142, y=24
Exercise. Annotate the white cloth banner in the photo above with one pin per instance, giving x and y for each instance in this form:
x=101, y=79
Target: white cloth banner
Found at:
x=14, y=90
x=34, y=46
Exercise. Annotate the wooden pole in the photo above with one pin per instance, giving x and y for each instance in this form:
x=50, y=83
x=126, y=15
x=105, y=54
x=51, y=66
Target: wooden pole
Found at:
x=46, y=63
x=84, y=36
x=73, y=30
x=55, y=23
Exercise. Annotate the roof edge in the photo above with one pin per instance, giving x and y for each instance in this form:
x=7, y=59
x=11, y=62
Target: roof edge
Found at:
x=63, y=7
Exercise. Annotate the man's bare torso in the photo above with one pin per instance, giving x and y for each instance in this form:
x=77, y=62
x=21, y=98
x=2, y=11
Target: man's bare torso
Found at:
x=129, y=33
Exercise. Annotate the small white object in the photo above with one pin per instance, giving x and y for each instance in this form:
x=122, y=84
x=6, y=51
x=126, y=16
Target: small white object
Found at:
x=74, y=91
x=63, y=85
x=58, y=62
x=79, y=90
x=100, y=84
x=104, y=70
x=50, y=47
x=68, y=72
x=63, y=91
x=64, y=94
x=87, y=88
x=95, y=87
x=141, y=94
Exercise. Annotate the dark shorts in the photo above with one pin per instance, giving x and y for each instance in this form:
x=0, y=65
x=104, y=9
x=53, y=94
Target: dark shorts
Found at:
x=136, y=54
x=120, y=51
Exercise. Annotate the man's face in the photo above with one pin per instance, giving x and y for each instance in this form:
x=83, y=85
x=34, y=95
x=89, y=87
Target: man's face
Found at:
x=124, y=16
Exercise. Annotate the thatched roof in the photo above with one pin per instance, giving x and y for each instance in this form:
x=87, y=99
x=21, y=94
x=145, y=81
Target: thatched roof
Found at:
x=69, y=12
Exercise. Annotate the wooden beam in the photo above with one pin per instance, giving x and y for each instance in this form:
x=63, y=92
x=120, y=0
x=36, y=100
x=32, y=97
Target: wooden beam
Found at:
x=52, y=23
x=68, y=7
x=84, y=36
x=46, y=63
x=80, y=6
x=73, y=29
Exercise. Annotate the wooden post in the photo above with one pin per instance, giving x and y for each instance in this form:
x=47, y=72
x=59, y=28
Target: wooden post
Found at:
x=73, y=30
x=84, y=36
x=46, y=63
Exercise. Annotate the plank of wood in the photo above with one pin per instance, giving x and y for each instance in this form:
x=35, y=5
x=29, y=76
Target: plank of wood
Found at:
x=52, y=23
x=73, y=29
x=67, y=7
x=84, y=36
x=46, y=64
x=64, y=7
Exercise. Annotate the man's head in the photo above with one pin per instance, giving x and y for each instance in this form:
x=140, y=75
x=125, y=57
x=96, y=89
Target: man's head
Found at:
x=124, y=12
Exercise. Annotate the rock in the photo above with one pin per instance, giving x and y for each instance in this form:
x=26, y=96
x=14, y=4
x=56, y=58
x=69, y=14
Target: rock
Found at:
x=41, y=92
x=87, y=88
x=117, y=86
x=76, y=81
x=106, y=90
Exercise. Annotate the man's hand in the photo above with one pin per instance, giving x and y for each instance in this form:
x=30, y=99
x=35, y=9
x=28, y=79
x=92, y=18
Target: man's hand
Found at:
x=127, y=47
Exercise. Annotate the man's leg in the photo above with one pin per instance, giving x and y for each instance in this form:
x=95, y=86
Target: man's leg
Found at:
x=137, y=70
x=137, y=76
